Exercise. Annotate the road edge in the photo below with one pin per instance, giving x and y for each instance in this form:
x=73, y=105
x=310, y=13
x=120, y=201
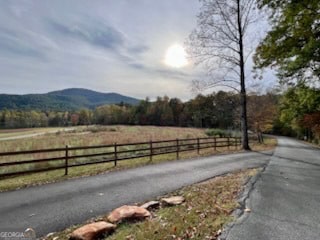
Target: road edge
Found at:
x=240, y=214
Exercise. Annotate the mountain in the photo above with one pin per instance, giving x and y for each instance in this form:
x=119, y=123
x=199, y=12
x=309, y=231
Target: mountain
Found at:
x=67, y=99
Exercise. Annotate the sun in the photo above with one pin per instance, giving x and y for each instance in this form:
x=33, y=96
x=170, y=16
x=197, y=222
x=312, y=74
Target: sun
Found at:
x=176, y=56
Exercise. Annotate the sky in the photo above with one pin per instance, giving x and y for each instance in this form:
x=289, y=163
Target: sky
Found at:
x=102, y=45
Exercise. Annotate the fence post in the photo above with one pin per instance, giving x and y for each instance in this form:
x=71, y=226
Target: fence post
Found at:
x=215, y=143
x=151, y=150
x=177, y=145
x=66, y=161
x=115, y=154
x=228, y=143
x=198, y=145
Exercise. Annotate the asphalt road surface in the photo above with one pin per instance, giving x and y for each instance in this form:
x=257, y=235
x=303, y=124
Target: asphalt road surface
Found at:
x=53, y=207
x=285, y=200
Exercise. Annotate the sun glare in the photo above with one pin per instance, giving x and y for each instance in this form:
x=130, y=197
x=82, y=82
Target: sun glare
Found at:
x=176, y=56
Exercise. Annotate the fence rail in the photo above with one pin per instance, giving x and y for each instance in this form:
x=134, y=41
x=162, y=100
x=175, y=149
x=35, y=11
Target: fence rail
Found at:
x=69, y=157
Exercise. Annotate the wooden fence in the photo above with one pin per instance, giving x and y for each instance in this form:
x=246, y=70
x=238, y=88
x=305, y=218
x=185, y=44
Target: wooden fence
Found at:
x=25, y=162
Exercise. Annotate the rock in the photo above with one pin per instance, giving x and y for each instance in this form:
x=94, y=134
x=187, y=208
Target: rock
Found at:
x=30, y=233
x=50, y=234
x=92, y=231
x=150, y=205
x=176, y=200
x=128, y=212
x=247, y=210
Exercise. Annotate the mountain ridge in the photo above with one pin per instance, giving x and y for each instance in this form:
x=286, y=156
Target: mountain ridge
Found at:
x=65, y=99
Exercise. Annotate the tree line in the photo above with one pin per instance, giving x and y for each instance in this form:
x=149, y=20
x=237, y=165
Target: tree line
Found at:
x=216, y=110
x=295, y=112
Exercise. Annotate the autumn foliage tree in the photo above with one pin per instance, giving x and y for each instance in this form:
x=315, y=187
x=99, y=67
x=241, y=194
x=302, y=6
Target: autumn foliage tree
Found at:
x=312, y=121
x=262, y=112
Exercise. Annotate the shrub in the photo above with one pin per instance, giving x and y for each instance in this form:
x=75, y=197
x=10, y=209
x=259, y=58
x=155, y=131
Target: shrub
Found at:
x=216, y=132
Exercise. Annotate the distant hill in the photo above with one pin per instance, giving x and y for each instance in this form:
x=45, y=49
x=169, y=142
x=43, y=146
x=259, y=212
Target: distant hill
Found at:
x=67, y=99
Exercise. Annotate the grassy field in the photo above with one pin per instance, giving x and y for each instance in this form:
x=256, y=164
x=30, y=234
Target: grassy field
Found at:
x=25, y=132
x=206, y=210
x=99, y=135
x=95, y=135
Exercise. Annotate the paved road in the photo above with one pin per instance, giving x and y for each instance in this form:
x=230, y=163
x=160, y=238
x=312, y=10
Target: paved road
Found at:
x=53, y=207
x=285, y=200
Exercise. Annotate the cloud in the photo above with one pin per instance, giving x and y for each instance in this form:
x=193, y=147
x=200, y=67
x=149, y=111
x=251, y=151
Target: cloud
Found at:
x=94, y=33
x=12, y=43
x=99, y=34
x=172, y=73
x=107, y=46
x=163, y=71
x=139, y=49
x=138, y=66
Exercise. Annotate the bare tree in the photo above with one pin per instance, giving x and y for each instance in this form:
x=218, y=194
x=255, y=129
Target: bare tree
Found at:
x=218, y=44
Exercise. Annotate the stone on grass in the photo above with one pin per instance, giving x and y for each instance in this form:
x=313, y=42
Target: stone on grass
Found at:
x=128, y=213
x=176, y=200
x=151, y=205
x=92, y=231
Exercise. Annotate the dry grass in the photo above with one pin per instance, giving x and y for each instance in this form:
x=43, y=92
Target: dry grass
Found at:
x=100, y=135
x=95, y=135
x=5, y=133
x=206, y=210
x=269, y=144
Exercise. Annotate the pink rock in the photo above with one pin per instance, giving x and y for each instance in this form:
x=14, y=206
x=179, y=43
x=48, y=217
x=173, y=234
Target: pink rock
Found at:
x=128, y=212
x=176, y=200
x=92, y=231
x=150, y=205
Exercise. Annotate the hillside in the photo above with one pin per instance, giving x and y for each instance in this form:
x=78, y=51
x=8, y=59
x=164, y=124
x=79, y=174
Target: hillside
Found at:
x=67, y=99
